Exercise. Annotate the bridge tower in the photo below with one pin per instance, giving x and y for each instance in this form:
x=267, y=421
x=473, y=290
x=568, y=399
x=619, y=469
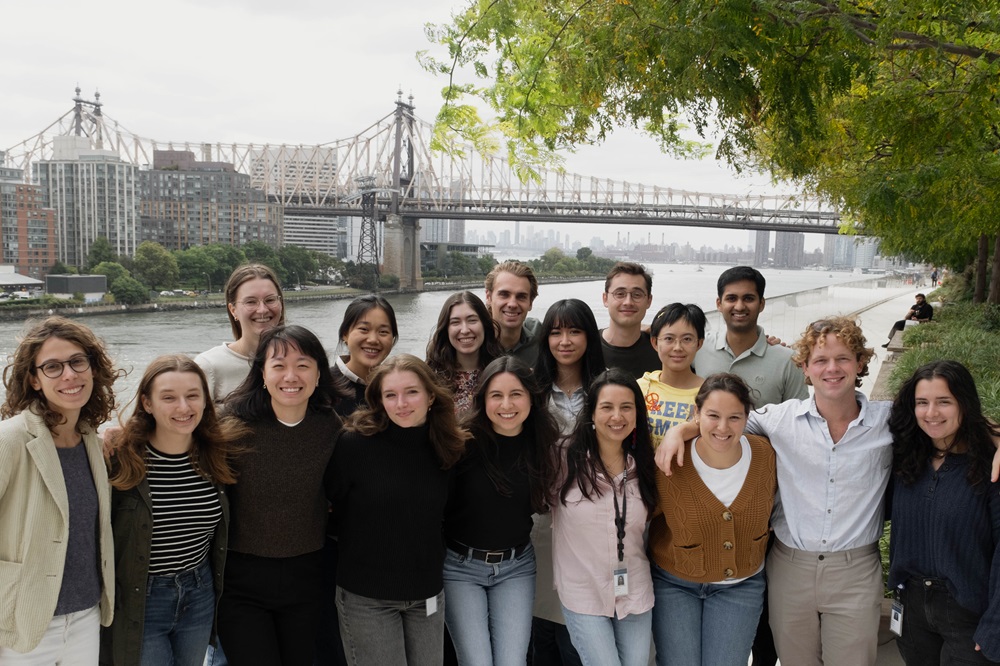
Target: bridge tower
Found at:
x=368, y=244
x=401, y=240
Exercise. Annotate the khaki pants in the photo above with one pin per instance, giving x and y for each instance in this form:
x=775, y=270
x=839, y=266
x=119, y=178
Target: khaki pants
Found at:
x=824, y=607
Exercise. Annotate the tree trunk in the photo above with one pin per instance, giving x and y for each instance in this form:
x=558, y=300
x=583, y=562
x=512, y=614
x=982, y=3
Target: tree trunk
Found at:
x=995, y=276
x=984, y=250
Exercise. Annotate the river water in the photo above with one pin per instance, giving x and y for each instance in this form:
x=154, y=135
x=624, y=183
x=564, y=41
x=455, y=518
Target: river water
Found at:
x=793, y=299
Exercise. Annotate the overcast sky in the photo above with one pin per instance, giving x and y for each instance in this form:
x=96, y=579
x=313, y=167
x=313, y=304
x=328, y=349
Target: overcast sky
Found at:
x=291, y=71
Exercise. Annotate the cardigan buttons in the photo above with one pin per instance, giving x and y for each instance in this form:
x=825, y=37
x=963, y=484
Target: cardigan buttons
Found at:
x=727, y=515
x=729, y=573
x=728, y=545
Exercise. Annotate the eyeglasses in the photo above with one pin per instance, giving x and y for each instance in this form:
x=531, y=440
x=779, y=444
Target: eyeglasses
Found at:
x=620, y=294
x=54, y=369
x=685, y=340
x=271, y=302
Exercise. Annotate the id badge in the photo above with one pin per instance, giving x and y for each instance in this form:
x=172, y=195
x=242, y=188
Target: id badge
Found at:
x=621, y=582
x=432, y=605
x=896, y=618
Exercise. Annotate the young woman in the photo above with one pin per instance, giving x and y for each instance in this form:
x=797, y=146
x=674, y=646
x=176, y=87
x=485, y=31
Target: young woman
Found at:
x=606, y=493
x=368, y=332
x=677, y=333
x=169, y=516
x=56, y=552
x=489, y=567
x=944, y=554
x=709, y=537
x=464, y=342
x=269, y=611
x=570, y=356
x=254, y=305
x=388, y=485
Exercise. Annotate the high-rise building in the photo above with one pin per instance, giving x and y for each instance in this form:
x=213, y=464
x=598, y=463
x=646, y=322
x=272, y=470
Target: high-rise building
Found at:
x=27, y=228
x=325, y=234
x=186, y=202
x=789, y=249
x=838, y=252
x=865, y=251
x=761, y=251
x=94, y=194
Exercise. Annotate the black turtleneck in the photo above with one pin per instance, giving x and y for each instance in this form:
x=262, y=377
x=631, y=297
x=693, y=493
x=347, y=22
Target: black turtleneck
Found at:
x=388, y=493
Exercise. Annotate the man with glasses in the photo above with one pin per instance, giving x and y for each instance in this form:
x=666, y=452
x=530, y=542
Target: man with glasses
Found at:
x=628, y=293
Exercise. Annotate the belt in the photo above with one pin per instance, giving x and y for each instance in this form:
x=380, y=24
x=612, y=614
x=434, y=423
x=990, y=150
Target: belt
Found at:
x=487, y=556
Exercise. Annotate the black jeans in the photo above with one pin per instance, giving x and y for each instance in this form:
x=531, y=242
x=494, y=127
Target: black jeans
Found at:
x=936, y=630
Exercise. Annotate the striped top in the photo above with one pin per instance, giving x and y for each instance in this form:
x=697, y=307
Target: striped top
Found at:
x=186, y=511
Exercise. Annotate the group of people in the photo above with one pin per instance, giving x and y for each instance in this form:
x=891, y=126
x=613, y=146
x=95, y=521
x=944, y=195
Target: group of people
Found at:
x=542, y=491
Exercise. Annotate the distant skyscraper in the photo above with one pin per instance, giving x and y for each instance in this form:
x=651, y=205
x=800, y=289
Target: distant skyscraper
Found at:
x=789, y=249
x=865, y=251
x=27, y=228
x=761, y=252
x=94, y=194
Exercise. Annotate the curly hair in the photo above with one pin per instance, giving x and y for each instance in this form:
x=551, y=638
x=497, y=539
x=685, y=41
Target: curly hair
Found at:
x=21, y=368
x=569, y=313
x=213, y=439
x=913, y=449
x=539, y=430
x=440, y=352
x=446, y=436
x=846, y=330
x=245, y=273
x=583, y=455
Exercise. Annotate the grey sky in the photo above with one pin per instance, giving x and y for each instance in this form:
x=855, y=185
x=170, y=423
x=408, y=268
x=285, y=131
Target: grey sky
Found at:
x=293, y=71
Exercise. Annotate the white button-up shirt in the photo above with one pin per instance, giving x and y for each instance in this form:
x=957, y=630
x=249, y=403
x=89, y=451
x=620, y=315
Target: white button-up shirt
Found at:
x=830, y=496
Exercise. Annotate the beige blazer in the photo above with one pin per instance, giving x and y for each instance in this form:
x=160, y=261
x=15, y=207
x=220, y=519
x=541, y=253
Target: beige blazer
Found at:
x=34, y=529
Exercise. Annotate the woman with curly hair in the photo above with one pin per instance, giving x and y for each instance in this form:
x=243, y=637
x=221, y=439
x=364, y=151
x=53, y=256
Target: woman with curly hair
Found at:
x=463, y=343
x=56, y=552
x=388, y=485
x=944, y=554
x=169, y=515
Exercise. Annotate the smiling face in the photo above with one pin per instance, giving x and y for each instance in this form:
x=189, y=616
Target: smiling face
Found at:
x=832, y=368
x=251, y=307
x=70, y=391
x=740, y=306
x=290, y=378
x=937, y=411
x=614, y=414
x=567, y=344
x=507, y=404
x=628, y=310
x=465, y=330
x=176, y=401
x=676, y=345
x=405, y=398
x=510, y=301
x=721, y=421
x=368, y=342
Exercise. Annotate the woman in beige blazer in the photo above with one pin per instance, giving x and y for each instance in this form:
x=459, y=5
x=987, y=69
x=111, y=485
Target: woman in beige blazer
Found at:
x=56, y=554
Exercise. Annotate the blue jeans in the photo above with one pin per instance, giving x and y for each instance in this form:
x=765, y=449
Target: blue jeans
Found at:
x=489, y=608
x=610, y=641
x=380, y=632
x=177, y=625
x=705, y=623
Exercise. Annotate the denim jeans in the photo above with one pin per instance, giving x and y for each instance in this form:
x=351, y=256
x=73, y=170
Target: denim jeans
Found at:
x=705, y=623
x=610, y=641
x=936, y=630
x=379, y=632
x=489, y=608
x=177, y=625
x=72, y=639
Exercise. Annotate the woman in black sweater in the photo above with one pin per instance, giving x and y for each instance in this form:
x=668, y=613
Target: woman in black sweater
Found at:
x=388, y=484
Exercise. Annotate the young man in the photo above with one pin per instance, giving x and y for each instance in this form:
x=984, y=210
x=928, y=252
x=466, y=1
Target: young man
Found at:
x=921, y=311
x=511, y=289
x=628, y=293
x=742, y=347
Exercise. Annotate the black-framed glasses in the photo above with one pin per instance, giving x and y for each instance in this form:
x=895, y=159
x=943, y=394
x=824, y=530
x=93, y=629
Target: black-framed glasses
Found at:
x=54, y=369
x=620, y=294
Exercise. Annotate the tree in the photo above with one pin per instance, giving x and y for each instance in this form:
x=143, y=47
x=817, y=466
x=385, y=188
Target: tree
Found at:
x=154, y=266
x=129, y=291
x=227, y=258
x=584, y=253
x=298, y=262
x=100, y=252
x=263, y=253
x=194, y=263
x=59, y=268
x=112, y=270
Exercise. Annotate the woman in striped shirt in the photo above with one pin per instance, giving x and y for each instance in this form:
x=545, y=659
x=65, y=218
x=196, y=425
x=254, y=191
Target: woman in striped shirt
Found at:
x=169, y=516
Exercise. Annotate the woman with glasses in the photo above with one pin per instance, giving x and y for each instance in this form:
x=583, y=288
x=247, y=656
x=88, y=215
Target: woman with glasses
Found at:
x=677, y=333
x=463, y=343
x=254, y=305
x=56, y=551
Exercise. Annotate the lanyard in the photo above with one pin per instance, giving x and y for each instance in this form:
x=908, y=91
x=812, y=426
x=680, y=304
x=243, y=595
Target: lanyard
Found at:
x=620, y=516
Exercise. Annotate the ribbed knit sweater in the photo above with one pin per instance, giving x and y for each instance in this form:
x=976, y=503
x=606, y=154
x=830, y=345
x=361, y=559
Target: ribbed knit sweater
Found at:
x=278, y=507
x=943, y=528
x=388, y=493
x=698, y=538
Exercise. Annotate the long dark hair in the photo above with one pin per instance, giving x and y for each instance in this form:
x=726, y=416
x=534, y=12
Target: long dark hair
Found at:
x=251, y=401
x=361, y=305
x=569, y=313
x=912, y=449
x=539, y=431
x=583, y=455
x=441, y=355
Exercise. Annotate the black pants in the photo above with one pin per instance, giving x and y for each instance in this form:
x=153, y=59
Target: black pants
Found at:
x=551, y=645
x=329, y=646
x=936, y=630
x=898, y=326
x=270, y=609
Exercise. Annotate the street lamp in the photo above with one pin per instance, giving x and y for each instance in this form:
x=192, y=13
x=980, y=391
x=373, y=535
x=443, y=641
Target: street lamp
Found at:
x=209, y=278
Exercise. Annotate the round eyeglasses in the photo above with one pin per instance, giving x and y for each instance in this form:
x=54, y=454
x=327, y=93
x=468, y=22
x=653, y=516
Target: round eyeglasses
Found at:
x=54, y=369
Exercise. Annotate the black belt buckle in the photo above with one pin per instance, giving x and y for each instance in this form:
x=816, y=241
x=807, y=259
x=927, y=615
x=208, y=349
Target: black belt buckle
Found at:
x=494, y=556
